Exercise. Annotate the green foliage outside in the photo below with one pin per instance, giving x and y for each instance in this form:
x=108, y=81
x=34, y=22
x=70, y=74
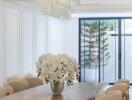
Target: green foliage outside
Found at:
x=93, y=35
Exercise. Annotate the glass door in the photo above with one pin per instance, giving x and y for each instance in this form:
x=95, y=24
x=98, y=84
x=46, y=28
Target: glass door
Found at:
x=105, y=49
x=98, y=50
x=109, y=69
x=127, y=49
x=89, y=50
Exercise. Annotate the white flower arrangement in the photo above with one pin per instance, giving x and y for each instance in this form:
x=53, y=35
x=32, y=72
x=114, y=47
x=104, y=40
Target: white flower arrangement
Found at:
x=55, y=67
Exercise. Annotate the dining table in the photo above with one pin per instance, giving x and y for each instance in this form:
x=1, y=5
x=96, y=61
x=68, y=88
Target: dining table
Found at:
x=78, y=91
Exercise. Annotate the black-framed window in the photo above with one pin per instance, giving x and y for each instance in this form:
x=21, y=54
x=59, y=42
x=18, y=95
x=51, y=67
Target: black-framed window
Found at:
x=104, y=48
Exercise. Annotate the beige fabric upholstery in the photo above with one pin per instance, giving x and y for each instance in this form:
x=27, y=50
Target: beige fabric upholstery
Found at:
x=13, y=78
x=118, y=87
x=9, y=89
x=19, y=85
x=34, y=81
x=2, y=92
x=123, y=81
x=121, y=88
x=126, y=81
x=117, y=93
x=111, y=95
x=125, y=84
x=28, y=75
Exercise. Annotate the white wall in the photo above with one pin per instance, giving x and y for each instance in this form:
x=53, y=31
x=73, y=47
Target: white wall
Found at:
x=25, y=34
x=71, y=37
x=1, y=46
x=42, y=30
x=11, y=33
x=23, y=37
x=56, y=35
x=64, y=36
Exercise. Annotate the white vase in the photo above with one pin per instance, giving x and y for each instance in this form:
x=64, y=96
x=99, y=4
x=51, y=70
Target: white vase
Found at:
x=57, y=88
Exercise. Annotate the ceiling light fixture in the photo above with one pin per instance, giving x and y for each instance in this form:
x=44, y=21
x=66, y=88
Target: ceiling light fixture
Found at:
x=56, y=8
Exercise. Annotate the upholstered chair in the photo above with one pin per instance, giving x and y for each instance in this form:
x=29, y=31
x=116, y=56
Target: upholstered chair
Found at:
x=28, y=75
x=124, y=85
x=33, y=81
x=8, y=89
x=124, y=81
x=13, y=78
x=2, y=92
x=107, y=97
x=117, y=93
x=121, y=88
x=111, y=95
x=18, y=85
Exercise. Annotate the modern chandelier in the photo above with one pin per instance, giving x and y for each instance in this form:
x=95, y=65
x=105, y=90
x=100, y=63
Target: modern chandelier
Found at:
x=57, y=8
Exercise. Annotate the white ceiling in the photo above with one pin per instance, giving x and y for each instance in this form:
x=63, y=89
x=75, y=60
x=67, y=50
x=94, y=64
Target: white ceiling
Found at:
x=104, y=6
x=93, y=6
x=107, y=1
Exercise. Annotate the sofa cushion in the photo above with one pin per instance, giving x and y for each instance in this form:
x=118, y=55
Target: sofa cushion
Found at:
x=34, y=81
x=19, y=85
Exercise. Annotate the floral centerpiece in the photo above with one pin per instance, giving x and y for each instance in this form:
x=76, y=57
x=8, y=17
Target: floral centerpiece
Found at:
x=53, y=68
